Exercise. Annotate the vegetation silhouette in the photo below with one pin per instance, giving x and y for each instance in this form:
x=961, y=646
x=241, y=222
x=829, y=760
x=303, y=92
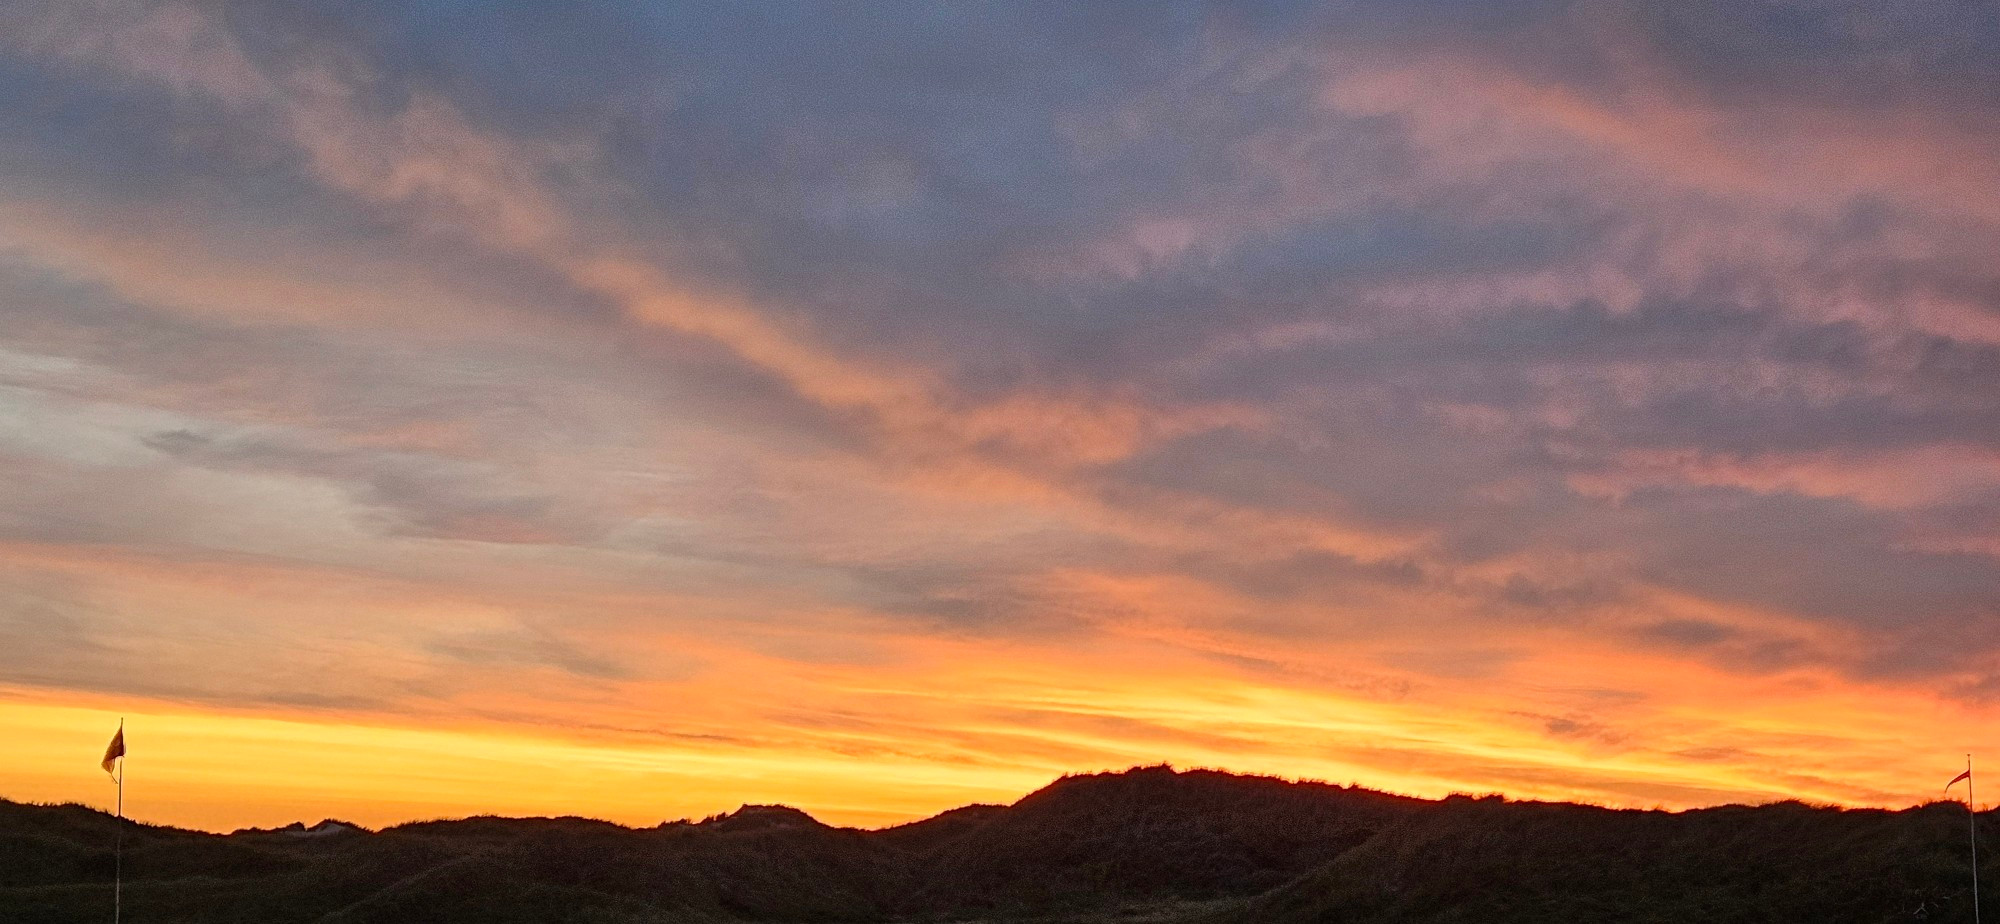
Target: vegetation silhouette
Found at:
x=1149, y=844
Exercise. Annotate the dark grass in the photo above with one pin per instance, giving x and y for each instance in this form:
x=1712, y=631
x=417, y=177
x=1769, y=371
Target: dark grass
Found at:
x=1147, y=845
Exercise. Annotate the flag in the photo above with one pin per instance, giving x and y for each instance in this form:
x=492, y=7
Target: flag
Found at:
x=115, y=751
x=1954, y=780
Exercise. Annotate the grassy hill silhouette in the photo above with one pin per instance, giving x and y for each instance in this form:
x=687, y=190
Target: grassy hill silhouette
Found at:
x=1148, y=844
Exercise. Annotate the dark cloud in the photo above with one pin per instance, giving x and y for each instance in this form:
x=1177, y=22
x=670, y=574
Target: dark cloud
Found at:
x=1691, y=633
x=527, y=647
x=1576, y=728
x=421, y=496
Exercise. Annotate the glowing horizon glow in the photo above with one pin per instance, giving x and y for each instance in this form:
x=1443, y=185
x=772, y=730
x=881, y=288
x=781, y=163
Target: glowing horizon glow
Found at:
x=639, y=411
x=204, y=762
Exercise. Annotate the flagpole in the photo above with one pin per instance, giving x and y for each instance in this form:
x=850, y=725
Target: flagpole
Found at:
x=119, y=849
x=1972, y=829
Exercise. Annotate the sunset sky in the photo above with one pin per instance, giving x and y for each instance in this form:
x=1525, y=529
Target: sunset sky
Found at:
x=637, y=409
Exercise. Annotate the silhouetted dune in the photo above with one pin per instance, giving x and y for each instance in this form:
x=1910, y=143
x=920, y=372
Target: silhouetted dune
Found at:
x=942, y=827
x=1489, y=860
x=1147, y=844
x=761, y=818
x=1147, y=834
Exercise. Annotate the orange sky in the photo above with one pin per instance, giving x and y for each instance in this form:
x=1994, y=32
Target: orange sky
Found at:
x=635, y=412
x=943, y=729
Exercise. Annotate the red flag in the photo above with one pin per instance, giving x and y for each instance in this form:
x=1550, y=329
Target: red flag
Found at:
x=1954, y=780
x=115, y=751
